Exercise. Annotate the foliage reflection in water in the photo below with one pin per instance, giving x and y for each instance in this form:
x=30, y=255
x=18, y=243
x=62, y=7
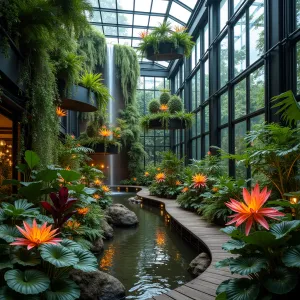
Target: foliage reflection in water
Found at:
x=149, y=259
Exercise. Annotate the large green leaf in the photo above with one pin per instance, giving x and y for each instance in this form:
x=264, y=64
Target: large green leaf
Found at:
x=291, y=257
x=31, y=192
x=221, y=296
x=25, y=258
x=47, y=175
x=77, y=188
x=280, y=281
x=260, y=238
x=280, y=230
x=223, y=263
x=63, y=289
x=233, y=231
x=8, y=294
x=31, y=159
x=87, y=262
x=242, y=289
x=9, y=233
x=29, y=282
x=5, y=262
x=233, y=244
x=222, y=287
x=69, y=176
x=71, y=245
x=58, y=255
x=20, y=208
x=248, y=265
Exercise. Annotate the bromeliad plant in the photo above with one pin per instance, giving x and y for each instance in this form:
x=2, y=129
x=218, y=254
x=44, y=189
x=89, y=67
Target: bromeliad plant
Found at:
x=267, y=254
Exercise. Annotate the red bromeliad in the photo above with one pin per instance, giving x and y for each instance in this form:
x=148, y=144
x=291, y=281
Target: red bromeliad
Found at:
x=60, y=210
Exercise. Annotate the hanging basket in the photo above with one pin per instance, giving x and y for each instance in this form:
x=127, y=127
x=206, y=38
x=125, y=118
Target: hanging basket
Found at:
x=79, y=98
x=173, y=124
x=100, y=149
x=166, y=52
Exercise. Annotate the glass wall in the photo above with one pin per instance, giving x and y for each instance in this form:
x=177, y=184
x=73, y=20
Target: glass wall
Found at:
x=154, y=141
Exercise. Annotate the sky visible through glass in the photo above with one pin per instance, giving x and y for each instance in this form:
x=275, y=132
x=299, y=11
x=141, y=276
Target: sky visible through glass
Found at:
x=122, y=20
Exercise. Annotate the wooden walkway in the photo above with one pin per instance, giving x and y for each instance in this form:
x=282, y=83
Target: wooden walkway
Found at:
x=204, y=286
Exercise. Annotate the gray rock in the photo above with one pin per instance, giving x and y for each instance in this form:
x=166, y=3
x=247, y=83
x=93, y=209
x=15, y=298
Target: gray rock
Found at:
x=98, y=246
x=98, y=286
x=199, y=264
x=108, y=231
x=121, y=216
x=135, y=200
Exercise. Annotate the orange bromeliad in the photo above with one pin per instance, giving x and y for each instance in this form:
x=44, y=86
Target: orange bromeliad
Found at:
x=83, y=211
x=252, y=211
x=178, y=182
x=61, y=112
x=199, y=180
x=179, y=28
x=105, y=132
x=36, y=236
x=73, y=224
x=185, y=189
x=164, y=107
x=160, y=177
x=105, y=189
x=143, y=34
x=96, y=196
x=146, y=174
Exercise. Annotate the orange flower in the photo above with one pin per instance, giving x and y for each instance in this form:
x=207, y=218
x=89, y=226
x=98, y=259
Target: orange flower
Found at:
x=146, y=174
x=158, y=169
x=96, y=196
x=179, y=28
x=97, y=182
x=68, y=168
x=185, y=189
x=208, y=153
x=164, y=107
x=83, y=211
x=73, y=137
x=215, y=189
x=143, y=34
x=199, y=180
x=105, y=189
x=178, y=182
x=160, y=177
x=61, y=112
x=73, y=224
x=36, y=236
x=134, y=179
x=252, y=209
x=105, y=132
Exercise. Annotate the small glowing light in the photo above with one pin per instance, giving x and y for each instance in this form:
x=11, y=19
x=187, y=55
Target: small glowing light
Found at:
x=161, y=206
x=2, y=143
x=107, y=167
x=92, y=165
x=118, y=188
x=7, y=151
x=294, y=200
x=102, y=166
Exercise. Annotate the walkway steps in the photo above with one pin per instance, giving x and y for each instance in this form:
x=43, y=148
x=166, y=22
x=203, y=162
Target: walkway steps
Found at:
x=204, y=286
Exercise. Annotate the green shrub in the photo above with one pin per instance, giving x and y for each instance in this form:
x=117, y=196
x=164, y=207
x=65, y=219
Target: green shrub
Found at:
x=164, y=98
x=154, y=106
x=175, y=104
x=92, y=130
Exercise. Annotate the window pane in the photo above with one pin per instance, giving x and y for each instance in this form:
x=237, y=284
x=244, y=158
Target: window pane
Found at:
x=198, y=53
x=206, y=38
x=240, y=99
x=240, y=132
x=240, y=45
x=206, y=144
x=256, y=120
x=224, y=108
x=257, y=90
x=206, y=118
x=223, y=13
x=199, y=148
x=194, y=149
x=194, y=96
x=257, y=32
x=224, y=147
x=298, y=68
x=298, y=12
x=193, y=57
x=198, y=123
x=198, y=84
x=179, y=12
x=236, y=4
x=224, y=61
x=194, y=126
x=206, y=82
x=149, y=83
x=159, y=83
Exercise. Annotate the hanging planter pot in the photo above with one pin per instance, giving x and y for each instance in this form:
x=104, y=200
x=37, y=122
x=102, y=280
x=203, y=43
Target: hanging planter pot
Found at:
x=78, y=98
x=102, y=149
x=173, y=124
x=166, y=52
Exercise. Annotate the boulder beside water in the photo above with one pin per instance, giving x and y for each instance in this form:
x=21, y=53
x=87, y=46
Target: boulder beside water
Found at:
x=98, y=286
x=199, y=264
x=135, y=200
x=120, y=215
x=108, y=231
x=98, y=246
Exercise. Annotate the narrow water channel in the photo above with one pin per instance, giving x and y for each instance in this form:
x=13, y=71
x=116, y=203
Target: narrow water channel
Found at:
x=149, y=259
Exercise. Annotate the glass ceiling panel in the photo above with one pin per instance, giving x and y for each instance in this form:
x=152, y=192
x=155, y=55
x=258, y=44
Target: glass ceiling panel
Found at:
x=122, y=20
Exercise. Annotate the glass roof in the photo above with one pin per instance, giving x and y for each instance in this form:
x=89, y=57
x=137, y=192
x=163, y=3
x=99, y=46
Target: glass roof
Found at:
x=122, y=20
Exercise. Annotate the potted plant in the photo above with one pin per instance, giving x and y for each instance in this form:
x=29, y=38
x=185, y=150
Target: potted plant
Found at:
x=167, y=113
x=166, y=44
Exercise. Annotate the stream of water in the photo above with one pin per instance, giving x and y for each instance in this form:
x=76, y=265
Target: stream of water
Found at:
x=149, y=259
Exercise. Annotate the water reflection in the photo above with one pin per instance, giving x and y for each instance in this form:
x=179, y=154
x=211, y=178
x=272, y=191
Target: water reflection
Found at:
x=149, y=259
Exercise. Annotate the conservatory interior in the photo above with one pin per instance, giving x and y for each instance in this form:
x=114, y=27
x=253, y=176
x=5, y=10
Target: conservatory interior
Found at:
x=149, y=149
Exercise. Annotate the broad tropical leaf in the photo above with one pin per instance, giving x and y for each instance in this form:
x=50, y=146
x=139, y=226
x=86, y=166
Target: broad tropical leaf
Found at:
x=58, y=255
x=291, y=257
x=221, y=296
x=69, y=176
x=87, y=262
x=29, y=282
x=20, y=208
x=31, y=191
x=233, y=244
x=289, y=107
x=242, y=289
x=8, y=294
x=63, y=289
x=71, y=245
x=222, y=287
x=9, y=233
x=223, y=263
x=5, y=262
x=281, y=281
x=47, y=175
x=281, y=229
x=31, y=159
x=25, y=258
x=248, y=265
x=233, y=231
x=260, y=238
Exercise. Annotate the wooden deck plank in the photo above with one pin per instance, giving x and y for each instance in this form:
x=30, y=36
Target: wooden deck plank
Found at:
x=162, y=297
x=194, y=294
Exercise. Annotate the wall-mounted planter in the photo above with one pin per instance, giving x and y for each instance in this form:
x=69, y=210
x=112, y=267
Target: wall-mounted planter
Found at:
x=166, y=52
x=173, y=124
x=79, y=98
x=11, y=65
x=102, y=150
